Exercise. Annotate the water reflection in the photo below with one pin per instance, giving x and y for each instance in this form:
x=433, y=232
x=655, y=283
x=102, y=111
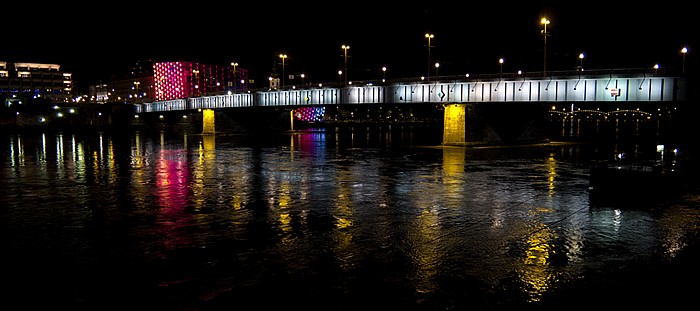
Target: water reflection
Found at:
x=220, y=219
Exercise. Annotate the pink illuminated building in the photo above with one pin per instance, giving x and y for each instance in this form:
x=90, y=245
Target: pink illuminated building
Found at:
x=176, y=80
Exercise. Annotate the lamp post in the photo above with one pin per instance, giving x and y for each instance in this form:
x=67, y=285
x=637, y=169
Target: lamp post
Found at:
x=340, y=77
x=684, y=51
x=544, y=21
x=345, y=56
x=235, y=79
x=656, y=68
x=136, y=85
x=500, y=61
x=437, y=74
x=302, y=79
x=384, y=74
x=283, y=57
x=580, y=57
x=196, y=80
x=429, y=36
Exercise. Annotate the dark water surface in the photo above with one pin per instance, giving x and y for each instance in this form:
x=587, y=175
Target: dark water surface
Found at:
x=327, y=221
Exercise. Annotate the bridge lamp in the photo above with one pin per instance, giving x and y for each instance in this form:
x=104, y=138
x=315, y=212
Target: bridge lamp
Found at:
x=384, y=74
x=684, y=51
x=437, y=66
x=500, y=61
x=656, y=68
x=196, y=79
x=544, y=21
x=235, y=82
x=580, y=57
x=283, y=57
x=340, y=77
x=345, y=54
x=429, y=36
x=136, y=86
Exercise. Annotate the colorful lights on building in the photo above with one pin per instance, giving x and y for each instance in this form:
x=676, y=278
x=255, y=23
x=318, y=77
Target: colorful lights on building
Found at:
x=176, y=80
x=310, y=114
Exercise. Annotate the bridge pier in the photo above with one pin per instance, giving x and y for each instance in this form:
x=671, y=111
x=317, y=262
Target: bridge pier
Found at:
x=454, y=126
x=208, y=118
x=291, y=120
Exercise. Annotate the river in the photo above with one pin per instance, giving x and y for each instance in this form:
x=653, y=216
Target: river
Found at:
x=328, y=220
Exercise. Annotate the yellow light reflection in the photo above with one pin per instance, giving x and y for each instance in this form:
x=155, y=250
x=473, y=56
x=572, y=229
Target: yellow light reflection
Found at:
x=343, y=246
x=551, y=163
x=203, y=170
x=283, y=203
x=535, y=272
x=426, y=254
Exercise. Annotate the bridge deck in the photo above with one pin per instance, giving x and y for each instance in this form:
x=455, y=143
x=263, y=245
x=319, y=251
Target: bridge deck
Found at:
x=591, y=87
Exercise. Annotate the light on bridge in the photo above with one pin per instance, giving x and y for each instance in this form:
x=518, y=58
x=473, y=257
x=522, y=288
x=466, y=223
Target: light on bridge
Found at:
x=544, y=21
x=429, y=36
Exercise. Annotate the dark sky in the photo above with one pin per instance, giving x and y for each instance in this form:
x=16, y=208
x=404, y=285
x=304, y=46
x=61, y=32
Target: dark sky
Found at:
x=97, y=40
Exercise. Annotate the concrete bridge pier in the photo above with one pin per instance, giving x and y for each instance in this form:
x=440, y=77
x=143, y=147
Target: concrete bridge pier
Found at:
x=208, y=121
x=454, y=125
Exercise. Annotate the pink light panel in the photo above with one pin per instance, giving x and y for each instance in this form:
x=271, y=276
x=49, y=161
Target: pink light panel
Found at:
x=170, y=81
x=310, y=114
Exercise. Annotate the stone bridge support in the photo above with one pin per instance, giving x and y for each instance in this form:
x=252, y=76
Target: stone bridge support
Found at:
x=454, y=126
x=208, y=118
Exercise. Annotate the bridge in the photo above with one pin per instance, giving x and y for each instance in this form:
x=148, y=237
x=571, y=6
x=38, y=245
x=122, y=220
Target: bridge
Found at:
x=454, y=93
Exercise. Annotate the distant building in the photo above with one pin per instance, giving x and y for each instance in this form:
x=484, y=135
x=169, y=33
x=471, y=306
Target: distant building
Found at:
x=149, y=81
x=175, y=80
x=134, y=86
x=28, y=80
x=134, y=90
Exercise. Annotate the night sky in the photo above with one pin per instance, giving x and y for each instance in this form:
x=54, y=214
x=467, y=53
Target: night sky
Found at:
x=98, y=41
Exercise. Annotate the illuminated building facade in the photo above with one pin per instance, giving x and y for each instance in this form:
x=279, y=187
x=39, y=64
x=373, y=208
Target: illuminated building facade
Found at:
x=175, y=80
x=310, y=114
x=20, y=80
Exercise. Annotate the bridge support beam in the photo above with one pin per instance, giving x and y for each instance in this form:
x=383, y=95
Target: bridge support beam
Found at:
x=208, y=117
x=454, y=127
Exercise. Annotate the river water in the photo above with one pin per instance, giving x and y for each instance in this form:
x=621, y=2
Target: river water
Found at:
x=327, y=220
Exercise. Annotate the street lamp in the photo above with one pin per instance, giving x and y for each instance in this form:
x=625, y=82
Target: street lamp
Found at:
x=235, y=79
x=656, y=68
x=545, y=22
x=580, y=57
x=196, y=79
x=437, y=66
x=340, y=77
x=684, y=51
x=500, y=61
x=345, y=53
x=302, y=79
x=429, y=36
x=283, y=57
x=384, y=74
x=136, y=85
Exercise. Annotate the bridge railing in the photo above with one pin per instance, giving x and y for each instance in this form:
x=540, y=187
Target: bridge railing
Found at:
x=587, y=85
